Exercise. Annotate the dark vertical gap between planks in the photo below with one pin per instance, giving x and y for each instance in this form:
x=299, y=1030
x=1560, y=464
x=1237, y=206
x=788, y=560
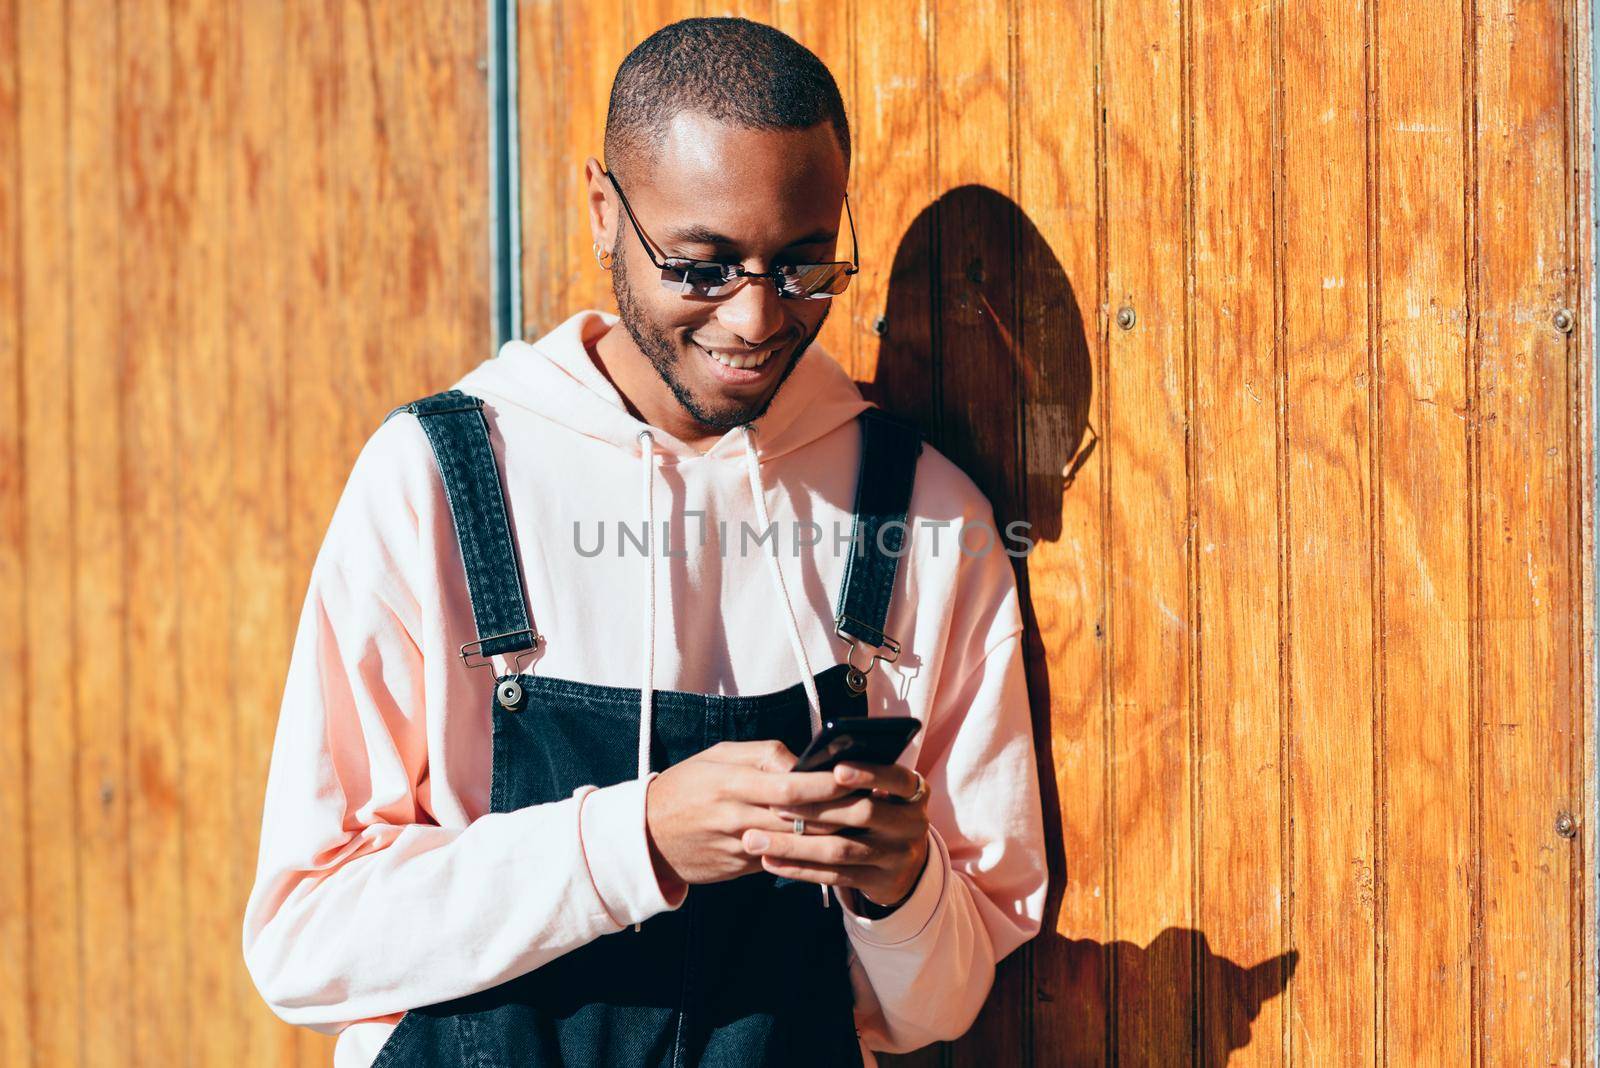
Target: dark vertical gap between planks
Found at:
x=1471, y=359
x=1380, y=728
x=1279, y=177
x=1019, y=408
x=75, y=623
x=1587, y=255
x=1196, y=624
x=1577, y=279
x=1102, y=329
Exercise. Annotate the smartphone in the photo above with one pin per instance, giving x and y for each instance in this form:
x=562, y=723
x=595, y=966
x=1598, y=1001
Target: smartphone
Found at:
x=858, y=739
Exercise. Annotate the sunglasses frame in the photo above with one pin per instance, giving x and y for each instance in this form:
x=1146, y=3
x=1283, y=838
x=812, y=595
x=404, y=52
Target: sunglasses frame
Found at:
x=731, y=271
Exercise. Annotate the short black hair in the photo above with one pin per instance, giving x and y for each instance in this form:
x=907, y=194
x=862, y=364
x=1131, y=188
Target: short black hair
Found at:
x=737, y=71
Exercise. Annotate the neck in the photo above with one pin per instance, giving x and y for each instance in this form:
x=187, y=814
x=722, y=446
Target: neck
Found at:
x=647, y=397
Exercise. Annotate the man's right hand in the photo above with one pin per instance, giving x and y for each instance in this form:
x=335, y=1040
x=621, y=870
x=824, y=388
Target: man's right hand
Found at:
x=696, y=812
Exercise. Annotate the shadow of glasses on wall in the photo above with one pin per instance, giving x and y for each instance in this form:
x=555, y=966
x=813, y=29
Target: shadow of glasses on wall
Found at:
x=982, y=344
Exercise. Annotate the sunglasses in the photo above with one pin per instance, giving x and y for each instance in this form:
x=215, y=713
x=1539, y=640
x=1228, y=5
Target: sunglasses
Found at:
x=707, y=278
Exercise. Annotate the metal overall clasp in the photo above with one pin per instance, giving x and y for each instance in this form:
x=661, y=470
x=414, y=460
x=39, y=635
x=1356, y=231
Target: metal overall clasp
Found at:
x=509, y=691
x=855, y=676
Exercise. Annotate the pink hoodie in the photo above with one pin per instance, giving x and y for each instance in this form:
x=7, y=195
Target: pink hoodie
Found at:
x=381, y=878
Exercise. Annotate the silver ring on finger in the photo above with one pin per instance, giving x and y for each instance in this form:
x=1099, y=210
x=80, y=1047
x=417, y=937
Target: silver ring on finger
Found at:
x=922, y=788
x=799, y=825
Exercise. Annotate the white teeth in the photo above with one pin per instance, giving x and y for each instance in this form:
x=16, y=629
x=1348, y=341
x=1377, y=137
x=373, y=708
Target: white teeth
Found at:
x=743, y=363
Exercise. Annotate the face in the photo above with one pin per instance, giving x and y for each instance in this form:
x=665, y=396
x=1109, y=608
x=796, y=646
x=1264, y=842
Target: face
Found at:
x=719, y=192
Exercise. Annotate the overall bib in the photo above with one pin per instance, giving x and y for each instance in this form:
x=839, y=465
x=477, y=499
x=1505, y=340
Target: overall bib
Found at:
x=749, y=971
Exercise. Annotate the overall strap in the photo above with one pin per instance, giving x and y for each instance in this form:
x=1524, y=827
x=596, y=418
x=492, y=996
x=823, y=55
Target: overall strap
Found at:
x=459, y=434
x=889, y=451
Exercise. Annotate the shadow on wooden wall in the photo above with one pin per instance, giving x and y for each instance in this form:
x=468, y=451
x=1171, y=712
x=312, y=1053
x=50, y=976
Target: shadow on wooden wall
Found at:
x=983, y=345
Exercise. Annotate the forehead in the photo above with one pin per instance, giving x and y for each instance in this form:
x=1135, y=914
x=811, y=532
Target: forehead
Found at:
x=757, y=186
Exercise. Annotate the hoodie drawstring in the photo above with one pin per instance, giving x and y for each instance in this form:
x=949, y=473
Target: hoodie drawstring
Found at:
x=752, y=465
x=647, y=689
x=647, y=686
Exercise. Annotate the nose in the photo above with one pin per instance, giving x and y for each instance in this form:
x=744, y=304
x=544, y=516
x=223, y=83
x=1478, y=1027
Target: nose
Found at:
x=753, y=312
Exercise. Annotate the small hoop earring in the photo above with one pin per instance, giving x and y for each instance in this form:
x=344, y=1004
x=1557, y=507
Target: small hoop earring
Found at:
x=602, y=257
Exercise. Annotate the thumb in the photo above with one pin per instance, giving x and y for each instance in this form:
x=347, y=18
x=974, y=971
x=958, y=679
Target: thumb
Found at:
x=766, y=755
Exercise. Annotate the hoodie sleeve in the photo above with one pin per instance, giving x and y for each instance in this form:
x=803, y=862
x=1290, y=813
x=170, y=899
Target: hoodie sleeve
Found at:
x=922, y=973
x=363, y=905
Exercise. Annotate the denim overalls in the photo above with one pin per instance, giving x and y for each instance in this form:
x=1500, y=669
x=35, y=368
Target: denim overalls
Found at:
x=749, y=971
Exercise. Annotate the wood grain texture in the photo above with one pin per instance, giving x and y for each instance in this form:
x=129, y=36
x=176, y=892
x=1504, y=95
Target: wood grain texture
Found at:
x=1238, y=550
x=236, y=234
x=1429, y=791
x=16, y=919
x=1310, y=611
x=1148, y=397
x=1061, y=337
x=1530, y=707
x=1333, y=857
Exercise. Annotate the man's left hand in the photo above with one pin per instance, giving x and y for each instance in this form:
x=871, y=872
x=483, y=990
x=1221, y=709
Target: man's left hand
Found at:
x=873, y=840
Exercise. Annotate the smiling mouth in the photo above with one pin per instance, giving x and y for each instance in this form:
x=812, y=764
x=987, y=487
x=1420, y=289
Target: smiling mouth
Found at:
x=741, y=362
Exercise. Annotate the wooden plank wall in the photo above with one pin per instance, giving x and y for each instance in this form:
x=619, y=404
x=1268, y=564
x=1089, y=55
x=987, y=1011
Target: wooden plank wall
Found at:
x=1251, y=309
x=234, y=233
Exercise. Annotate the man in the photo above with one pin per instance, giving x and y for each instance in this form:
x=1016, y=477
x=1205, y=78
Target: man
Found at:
x=592, y=869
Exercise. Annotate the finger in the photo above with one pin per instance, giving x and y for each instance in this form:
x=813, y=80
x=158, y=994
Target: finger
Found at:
x=762, y=818
x=765, y=755
x=832, y=849
x=847, y=875
x=786, y=788
x=855, y=810
x=896, y=780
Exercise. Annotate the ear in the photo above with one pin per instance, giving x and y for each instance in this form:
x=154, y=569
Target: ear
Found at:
x=601, y=203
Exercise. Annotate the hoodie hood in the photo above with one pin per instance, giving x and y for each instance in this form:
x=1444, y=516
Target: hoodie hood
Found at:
x=555, y=379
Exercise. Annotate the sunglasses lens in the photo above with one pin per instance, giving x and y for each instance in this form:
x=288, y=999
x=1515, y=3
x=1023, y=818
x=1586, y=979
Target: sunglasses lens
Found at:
x=816, y=280
x=696, y=280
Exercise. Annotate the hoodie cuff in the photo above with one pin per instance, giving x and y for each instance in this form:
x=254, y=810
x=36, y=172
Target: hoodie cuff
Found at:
x=611, y=828
x=912, y=917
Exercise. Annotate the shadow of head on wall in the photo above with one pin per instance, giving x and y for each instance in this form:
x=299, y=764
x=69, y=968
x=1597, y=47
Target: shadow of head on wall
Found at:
x=981, y=343
x=1157, y=1017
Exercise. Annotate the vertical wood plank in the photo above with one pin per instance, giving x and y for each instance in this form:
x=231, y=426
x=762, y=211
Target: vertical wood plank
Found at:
x=893, y=131
x=99, y=544
x=204, y=111
x=1581, y=139
x=1061, y=336
x=1239, y=564
x=50, y=660
x=599, y=33
x=152, y=142
x=828, y=30
x=368, y=184
x=1333, y=851
x=262, y=233
x=1531, y=717
x=454, y=45
x=1427, y=775
x=551, y=197
x=975, y=371
x=1151, y=612
x=313, y=313
x=16, y=912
